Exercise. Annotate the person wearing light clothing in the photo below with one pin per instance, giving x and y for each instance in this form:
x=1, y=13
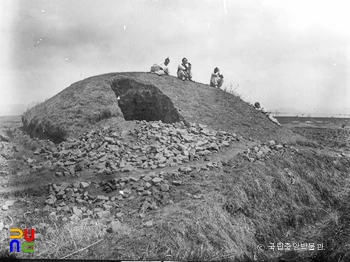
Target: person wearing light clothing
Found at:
x=216, y=79
x=161, y=69
x=264, y=111
x=184, y=70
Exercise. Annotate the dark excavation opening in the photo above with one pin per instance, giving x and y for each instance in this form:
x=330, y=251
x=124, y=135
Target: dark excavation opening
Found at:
x=139, y=101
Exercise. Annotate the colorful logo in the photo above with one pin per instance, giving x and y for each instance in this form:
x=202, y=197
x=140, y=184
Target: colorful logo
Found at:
x=27, y=246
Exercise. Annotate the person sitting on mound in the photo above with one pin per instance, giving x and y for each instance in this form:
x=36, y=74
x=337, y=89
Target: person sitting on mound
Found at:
x=264, y=111
x=161, y=69
x=184, y=70
x=216, y=79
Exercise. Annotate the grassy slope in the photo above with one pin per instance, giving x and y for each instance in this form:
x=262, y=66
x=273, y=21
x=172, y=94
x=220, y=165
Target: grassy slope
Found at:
x=74, y=109
x=243, y=205
x=87, y=102
x=220, y=110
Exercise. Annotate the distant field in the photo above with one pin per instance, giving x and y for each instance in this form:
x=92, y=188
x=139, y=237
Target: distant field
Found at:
x=314, y=120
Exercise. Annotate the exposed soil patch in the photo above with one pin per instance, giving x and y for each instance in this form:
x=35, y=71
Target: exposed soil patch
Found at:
x=330, y=137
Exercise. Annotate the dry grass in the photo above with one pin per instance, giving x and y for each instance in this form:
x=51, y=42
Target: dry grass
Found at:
x=72, y=111
x=62, y=240
x=87, y=102
x=242, y=207
x=244, y=204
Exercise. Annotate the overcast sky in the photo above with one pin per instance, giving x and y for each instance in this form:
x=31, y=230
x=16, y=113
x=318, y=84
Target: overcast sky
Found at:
x=285, y=54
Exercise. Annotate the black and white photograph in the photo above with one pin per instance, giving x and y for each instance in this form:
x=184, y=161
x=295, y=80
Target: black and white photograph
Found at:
x=174, y=130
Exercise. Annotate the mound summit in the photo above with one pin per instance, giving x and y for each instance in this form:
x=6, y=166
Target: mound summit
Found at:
x=145, y=96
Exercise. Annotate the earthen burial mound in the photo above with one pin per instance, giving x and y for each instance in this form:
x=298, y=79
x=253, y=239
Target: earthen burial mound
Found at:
x=144, y=96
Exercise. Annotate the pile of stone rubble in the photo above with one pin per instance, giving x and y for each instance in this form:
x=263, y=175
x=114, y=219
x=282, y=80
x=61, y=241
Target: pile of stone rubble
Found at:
x=150, y=146
x=262, y=151
x=119, y=196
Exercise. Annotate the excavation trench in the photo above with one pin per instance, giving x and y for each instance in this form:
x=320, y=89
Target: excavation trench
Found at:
x=139, y=101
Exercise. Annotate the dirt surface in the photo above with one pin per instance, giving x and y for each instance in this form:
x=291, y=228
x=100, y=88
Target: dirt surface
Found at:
x=327, y=136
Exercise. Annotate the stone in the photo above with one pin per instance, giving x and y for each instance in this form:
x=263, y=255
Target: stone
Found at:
x=134, y=179
x=104, y=214
x=140, y=189
x=102, y=198
x=77, y=211
x=177, y=182
x=187, y=138
x=279, y=147
x=69, y=163
x=147, y=178
x=60, y=193
x=260, y=154
x=114, y=227
x=59, y=174
x=225, y=143
x=74, y=217
x=4, y=137
x=272, y=143
x=154, y=125
x=109, y=140
x=265, y=149
x=187, y=124
x=149, y=223
x=146, y=193
x=69, y=194
x=211, y=165
x=119, y=214
x=46, y=208
x=156, y=180
x=128, y=169
x=9, y=202
x=50, y=201
x=164, y=187
x=213, y=146
x=185, y=169
x=154, y=206
x=145, y=206
x=53, y=216
x=199, y=196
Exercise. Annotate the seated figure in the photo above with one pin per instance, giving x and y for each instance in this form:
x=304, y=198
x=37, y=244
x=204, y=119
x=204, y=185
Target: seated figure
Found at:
x=184, y=70
x=161, y=69
x=216, y=79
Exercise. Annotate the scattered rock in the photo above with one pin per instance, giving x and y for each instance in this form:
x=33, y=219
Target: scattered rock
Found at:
x=279, y=147
x=156, y=180
x=272, y=143
x=149, y=223
x=84, y=185
x=115, y=227
x=164, y=187
x=177, y=182
x=104, y=214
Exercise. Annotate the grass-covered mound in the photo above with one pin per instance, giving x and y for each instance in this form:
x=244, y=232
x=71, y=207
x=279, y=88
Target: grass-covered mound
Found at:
x=145, y=96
